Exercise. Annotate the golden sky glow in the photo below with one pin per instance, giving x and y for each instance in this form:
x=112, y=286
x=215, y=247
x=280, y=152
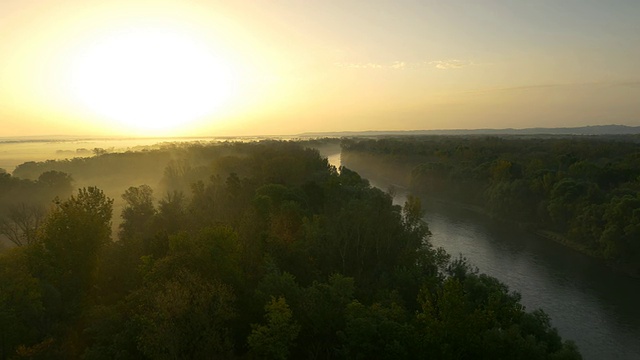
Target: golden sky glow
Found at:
x=205, y=68
x=151, y=79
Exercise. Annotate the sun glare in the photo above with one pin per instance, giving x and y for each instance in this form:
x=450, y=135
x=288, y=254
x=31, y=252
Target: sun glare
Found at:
x=151, y=81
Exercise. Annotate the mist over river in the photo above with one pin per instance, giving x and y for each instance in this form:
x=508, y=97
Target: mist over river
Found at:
x=588, y=303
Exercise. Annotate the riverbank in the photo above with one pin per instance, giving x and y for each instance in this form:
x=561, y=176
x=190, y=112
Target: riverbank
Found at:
x=631, y=270
x=561, y=239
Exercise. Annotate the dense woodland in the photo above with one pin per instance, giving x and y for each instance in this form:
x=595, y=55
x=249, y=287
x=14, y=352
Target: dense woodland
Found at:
x=583, y=190
x=258, y=250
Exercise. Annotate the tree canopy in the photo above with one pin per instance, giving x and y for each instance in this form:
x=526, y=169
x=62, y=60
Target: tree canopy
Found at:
x=273, y=254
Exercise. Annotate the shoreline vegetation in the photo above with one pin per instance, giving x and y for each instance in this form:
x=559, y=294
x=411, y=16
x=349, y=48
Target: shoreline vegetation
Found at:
x=543, y=233
x=581, y=192
x=528, y=227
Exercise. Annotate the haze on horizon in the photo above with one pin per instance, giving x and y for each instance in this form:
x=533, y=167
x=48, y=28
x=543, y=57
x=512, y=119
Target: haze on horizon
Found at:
x=208, y=68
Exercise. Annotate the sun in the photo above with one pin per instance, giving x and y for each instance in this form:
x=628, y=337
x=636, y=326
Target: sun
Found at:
x=151, y=81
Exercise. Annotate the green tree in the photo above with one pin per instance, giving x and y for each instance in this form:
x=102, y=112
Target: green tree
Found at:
x=138, y=212
x=21, y=305
x=322, y=315
x=378, y=332
x=620, y=236
x=172, y=216
x=72, y=236
x=57, y=183
x=274, y=339
x=185, y=317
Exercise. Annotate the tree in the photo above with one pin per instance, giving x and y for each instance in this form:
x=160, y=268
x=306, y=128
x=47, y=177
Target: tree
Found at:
x=377, y=332
x=57, y=182
x=72, y=236
x=274, y=339
x=175, y=175
x=185, y=317
x=138, y=212
x=619, y=238
x=99, y=151
x=21, y=305
x=21, y=223
x=171, y=216
x=321, y=314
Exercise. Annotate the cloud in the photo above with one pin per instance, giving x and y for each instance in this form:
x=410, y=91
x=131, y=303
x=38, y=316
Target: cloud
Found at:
x=399, y=65
x=450, y=64
x=396, y=65
x=359, y=65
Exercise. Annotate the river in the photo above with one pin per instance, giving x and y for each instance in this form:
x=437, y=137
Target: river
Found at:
x=588, y=303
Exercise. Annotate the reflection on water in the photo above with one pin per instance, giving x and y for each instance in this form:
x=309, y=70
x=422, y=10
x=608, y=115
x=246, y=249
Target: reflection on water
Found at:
x=587, y=302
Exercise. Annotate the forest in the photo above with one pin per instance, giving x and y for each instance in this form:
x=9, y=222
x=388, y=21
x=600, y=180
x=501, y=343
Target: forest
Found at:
x=583, y=191
x=265, y=251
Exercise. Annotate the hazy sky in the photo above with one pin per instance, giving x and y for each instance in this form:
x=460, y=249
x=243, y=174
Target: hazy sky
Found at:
x=283, y=67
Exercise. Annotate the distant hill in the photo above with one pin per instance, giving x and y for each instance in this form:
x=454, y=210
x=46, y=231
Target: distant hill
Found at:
x=583, y=130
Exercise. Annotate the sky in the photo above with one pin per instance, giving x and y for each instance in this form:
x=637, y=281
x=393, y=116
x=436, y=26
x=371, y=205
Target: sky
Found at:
x=283, y=67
